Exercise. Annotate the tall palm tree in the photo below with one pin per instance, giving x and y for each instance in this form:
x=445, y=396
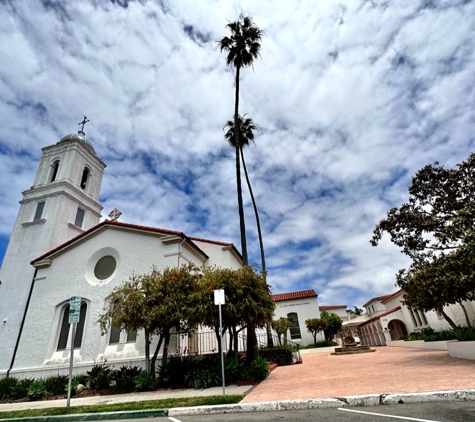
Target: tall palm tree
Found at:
x=241, y=48
x=246, y=135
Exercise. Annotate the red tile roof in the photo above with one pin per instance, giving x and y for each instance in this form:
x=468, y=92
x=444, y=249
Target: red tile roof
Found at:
x=380, y=298
x=134, y=227
x=294, y=295
x=328, y=307
x=391, y=296
x=380, y=315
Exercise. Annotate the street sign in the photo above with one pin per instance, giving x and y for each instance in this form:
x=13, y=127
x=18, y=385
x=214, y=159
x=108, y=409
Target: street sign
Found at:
x=74, y=309
x=219, y=297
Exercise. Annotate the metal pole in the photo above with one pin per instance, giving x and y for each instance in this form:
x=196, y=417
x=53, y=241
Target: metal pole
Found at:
x=222, y=352
x=71, y=364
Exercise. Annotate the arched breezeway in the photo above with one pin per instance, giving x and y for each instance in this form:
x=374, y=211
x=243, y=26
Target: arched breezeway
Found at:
x=397, y=329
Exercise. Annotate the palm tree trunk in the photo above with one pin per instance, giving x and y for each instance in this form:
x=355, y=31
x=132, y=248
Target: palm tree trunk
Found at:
x=238, y=173
x=261, y=244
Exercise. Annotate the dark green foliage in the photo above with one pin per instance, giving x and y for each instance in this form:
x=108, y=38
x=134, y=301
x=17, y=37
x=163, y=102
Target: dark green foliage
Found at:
x=99, y=377
x=145, y=381
x=124, y=377
x=57, y=384
x=7, y=387
x=465, y=334
x=21, y=389
x=207, y=377
x=280, y=355
x=37, y=390
x=257, y=370
x=199, y=373
x=325, y=343
x=334, y=323
x=428, y=334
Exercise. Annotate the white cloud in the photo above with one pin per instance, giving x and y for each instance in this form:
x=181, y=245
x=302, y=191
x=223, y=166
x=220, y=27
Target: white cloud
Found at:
x=351, y=99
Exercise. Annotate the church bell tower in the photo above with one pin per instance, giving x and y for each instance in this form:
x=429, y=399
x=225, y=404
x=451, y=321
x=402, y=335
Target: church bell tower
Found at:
x=62, y=203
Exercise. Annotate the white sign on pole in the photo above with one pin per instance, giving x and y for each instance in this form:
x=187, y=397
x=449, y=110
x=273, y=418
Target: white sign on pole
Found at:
x=219, y=297
x=74, y=309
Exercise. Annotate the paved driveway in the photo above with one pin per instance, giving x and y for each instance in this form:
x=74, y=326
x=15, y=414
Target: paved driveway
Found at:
x=388, y=370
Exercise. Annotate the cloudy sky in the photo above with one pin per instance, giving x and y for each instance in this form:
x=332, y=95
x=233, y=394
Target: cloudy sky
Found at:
x=351, y=98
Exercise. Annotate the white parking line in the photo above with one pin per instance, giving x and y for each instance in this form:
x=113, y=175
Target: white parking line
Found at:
x=173, y=419
x=406, y=418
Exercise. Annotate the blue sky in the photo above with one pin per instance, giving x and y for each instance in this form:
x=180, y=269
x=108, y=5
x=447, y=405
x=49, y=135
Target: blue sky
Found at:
x=351, y=98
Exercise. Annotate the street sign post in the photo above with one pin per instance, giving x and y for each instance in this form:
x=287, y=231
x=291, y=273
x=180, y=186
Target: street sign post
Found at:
x=74, y=318
x=219, y=300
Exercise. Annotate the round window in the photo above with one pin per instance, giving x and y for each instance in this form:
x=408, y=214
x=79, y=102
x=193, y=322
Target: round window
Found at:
x=105, y=267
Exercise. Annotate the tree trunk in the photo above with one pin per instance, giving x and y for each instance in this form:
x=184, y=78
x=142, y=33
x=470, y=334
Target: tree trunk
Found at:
x=251, y=352
x=154, y=358
x=466, y=314
x=448, y=319
x=147, y=350
x=236, y=345
x=256, y=213
x=242, y=223
x=270, y=340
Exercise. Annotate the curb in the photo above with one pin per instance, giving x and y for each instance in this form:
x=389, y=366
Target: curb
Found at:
x=344, y=401
x=126, y=414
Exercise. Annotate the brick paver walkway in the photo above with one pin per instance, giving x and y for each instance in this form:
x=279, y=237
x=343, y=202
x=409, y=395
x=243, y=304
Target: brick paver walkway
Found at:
x=388, y=370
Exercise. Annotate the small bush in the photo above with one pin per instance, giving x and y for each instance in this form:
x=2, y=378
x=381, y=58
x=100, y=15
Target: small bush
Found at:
x=280, y=355
x=429, y=334
x=325, y=343
x=57, y=384
x=144, y=382
x=7, y=387
x=208, y=377
x=465, y=334
x=124, y=378
x=232, y=370
x=99, y=377
x=37, y=390
x=174, y=370
x=257, y=370
x=21, y=389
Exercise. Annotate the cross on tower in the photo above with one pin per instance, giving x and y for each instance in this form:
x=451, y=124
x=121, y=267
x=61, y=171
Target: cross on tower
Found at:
x=83, y=123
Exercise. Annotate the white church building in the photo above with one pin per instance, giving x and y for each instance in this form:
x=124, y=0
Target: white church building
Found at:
x=59, y=248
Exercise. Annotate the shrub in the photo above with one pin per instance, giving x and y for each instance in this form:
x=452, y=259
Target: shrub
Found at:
x=232, y=370
x=429, y=334
x=325, y=343
x=57, y=384
x=7, y=387
x=21, y=389
x=280, y=355
x=37, y=390
x=98, y=377
x=124, y=378
x=207, y=377
x=175, y=369
x=144, y=382
x=257, y=370
x=465, y=334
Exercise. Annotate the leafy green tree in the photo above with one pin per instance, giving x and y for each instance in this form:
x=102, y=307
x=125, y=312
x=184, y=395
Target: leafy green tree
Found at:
x=435, y=229
x=315, y=326
x=156, y=302
x=334, y=323
x=241, y=48
x=248, y=299
x=358, y=311
x=281, y=326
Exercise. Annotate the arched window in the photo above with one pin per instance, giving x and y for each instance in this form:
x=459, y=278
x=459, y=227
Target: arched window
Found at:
x=295, y=328
x=64, y=334
x=54, y=172
x=85, y=175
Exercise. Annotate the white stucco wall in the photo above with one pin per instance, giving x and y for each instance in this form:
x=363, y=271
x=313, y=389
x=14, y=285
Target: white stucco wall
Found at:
x=72, y=274
x=305, y=308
